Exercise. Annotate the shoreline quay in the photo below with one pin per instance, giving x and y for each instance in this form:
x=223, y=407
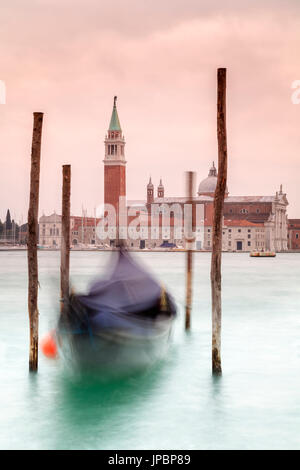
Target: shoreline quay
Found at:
x=134, y=250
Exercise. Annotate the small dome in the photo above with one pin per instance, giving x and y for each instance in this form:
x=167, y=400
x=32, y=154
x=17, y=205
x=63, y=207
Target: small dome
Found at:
x=209, y=184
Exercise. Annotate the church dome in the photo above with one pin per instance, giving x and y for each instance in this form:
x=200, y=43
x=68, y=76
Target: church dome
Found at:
x=209, y=184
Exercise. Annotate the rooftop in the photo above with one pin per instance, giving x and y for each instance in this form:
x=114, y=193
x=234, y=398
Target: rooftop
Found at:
x=241, y=223
x=249, y=199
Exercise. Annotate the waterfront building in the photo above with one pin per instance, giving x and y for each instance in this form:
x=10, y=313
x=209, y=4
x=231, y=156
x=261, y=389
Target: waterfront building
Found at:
x=82, y=231
x=50, y=231
x=249, y=222
x=294, y=234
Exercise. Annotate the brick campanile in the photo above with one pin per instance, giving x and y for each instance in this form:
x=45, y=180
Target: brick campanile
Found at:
x=114, y=162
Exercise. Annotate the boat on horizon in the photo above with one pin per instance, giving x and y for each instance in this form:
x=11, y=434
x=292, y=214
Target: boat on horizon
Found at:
x=263, y=254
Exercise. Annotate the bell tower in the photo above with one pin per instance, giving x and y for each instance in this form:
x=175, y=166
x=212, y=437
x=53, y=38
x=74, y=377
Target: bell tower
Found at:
x=150, y=192
x=160, y=189
x=114, y=162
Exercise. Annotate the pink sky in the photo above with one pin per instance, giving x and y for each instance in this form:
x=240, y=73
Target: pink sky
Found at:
x=68, y=58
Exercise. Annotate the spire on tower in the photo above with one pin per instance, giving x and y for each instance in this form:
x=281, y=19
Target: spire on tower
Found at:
x=213, y=170
x=150, y=184
x=150, y=192
x=114, y=124
x=160, y=189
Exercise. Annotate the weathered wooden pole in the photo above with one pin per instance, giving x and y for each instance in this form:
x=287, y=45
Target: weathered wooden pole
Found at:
x=33, y=240
x=215, y=273
x=65, y=236
x=190, y=178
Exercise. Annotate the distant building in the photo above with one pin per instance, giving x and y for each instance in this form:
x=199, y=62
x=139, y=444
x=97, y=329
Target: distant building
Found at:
x=23, y=234
x=82, y=231
x=249, y=222
x=294, y=234
x=50, y=230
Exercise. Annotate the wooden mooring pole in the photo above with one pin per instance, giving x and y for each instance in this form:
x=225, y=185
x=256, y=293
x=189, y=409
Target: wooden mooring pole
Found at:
x=190, y=179
x=65, y=236
x=33, y=241
x=217, y=224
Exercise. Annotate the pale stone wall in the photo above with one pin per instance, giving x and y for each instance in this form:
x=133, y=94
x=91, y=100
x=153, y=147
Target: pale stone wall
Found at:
x=50, y=231
x=238, y=238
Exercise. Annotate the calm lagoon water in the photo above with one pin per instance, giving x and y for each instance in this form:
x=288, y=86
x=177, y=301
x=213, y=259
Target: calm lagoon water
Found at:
x=177, y=404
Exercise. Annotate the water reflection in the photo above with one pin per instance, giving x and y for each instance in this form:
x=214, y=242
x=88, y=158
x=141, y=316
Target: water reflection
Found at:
x=92, y=404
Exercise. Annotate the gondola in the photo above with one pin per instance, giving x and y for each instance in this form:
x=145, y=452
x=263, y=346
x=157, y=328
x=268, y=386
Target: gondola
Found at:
x=122, y=325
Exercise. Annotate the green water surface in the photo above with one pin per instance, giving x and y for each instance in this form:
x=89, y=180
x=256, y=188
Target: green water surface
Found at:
x=177, y=404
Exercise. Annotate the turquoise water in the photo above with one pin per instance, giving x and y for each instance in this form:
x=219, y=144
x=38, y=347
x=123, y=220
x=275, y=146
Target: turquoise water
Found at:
x=177, y=404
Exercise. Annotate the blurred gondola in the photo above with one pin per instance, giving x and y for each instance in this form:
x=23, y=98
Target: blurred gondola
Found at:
x=122, y=324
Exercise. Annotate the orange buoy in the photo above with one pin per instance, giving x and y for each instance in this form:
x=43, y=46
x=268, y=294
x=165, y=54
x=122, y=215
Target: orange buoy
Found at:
x=48, y=346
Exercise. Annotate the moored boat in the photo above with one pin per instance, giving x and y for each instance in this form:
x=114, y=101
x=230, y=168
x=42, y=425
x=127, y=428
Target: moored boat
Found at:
x=263, y=254
x=122, y=325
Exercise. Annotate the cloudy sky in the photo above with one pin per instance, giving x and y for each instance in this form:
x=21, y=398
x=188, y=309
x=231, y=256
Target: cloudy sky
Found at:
x=68, y=58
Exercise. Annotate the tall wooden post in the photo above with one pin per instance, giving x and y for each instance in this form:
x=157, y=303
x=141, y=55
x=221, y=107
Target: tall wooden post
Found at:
x=33, y=240
x=217, y=224
x=65, y=236
x=190, y=178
